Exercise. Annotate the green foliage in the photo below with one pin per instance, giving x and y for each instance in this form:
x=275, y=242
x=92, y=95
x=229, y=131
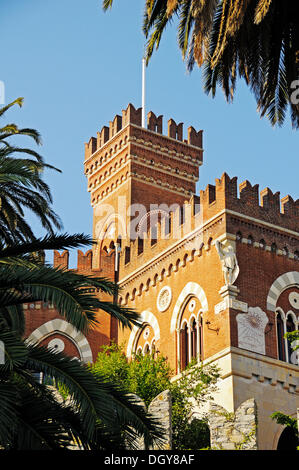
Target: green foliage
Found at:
x=22, y=186
x=285, y=420
x=147, y=376
x=91, y=410
x=144, y=376
x=255, y=40
x=195, y=386
x=293, y=336
x=112, y=364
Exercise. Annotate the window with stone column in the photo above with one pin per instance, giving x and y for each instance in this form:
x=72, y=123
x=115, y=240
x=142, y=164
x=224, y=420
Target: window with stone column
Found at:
x=190, y=334
x=280, y=331
x=290, y=326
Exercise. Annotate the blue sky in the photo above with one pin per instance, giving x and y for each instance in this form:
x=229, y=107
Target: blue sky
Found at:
x=77, y=67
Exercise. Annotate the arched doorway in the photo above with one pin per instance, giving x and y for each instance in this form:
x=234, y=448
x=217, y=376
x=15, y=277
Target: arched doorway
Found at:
x=288, y=440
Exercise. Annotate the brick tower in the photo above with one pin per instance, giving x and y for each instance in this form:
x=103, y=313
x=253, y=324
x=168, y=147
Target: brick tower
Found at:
x=128, y=166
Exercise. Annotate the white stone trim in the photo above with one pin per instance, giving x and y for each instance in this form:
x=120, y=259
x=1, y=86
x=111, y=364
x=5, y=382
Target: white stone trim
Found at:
x=66, y=329
x=283, y=282
x=190, y=289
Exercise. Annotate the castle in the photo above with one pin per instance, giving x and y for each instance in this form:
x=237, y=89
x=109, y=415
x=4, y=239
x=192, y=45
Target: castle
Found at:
x=214, y=276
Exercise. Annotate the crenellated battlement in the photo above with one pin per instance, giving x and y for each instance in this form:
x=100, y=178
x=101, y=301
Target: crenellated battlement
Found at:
x=225, y=207
x=154, y=124
x=84, y=260
x=246, y=199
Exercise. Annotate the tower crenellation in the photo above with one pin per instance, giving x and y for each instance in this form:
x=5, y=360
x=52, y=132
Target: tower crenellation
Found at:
x=154, y=123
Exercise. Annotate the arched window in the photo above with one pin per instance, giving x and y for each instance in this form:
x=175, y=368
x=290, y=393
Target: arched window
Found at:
x=280, y=337
x=200, y=338
x=250, y=240
x=193, y=333
x=184, y=346
x=262, y=244
x=290, y=326
x=239, y=236
x=119, y=240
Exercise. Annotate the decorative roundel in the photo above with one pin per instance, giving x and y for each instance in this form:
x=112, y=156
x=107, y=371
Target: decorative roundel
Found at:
x=56, y=344
x=164, y=299
x=192, y=305
x=294, y=299
x=146, y=333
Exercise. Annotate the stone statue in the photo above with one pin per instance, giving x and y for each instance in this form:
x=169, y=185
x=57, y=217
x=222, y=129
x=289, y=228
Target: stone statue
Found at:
x=229, y=262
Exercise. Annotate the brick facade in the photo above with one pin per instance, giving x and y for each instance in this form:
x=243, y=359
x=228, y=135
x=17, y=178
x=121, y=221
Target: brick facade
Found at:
x=171, y=272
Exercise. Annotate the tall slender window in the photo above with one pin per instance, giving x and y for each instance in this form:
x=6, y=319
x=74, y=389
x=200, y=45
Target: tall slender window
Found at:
x=193, y=333
x=200, y=334
x=290, y=327
x=280, y=338
x=184, y=347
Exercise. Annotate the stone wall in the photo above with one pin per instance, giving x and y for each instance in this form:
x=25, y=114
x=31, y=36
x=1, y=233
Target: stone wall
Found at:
x=234, y=431
x=160, y=407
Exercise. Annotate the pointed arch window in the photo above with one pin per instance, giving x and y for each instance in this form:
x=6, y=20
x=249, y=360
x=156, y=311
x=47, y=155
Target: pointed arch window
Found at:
x=194, y=338
x=184, y=346
x=280, y=337
x=190, y=342
x=290, y=326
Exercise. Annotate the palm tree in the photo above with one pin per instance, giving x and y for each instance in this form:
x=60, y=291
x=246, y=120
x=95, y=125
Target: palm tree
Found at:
x=257, y=40
x=21, y=185
x=97, y=412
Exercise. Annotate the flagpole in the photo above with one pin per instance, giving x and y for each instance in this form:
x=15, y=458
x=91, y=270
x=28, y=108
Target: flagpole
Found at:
x=143, y=91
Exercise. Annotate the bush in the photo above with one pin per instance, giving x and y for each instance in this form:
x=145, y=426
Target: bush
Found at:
x=147, y=376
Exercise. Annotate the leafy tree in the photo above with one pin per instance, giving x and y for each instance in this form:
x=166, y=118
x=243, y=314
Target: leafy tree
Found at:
x=30, y=416
x=147, y=376
x=257, y=40
x=21, y=185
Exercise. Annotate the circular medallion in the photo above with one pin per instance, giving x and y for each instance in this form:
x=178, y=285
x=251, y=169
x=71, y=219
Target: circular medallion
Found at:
x=56, y=344
x=294, y=300
x=192, y=306
x=164, y=299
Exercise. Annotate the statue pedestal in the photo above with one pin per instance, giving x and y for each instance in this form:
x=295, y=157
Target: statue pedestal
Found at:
x=229, y=294
x=229, y=291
